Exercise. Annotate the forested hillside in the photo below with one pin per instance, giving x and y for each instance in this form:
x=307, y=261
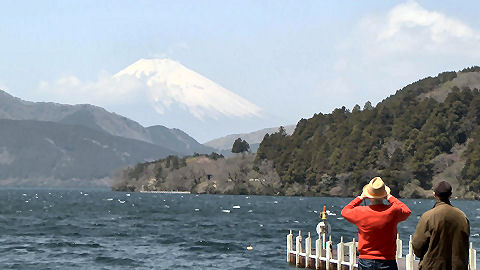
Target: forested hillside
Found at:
x=427, y=131
x=212, y=174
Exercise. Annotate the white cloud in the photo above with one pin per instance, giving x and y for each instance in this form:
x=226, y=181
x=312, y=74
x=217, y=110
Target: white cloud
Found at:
x=411, y=27
x=388, y=51
x=404, y=18
x=106, y=90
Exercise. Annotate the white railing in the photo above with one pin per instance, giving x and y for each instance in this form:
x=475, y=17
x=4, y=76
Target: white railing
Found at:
x=322, y=257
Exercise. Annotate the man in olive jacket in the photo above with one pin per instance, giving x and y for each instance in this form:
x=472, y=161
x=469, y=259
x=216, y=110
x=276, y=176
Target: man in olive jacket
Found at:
x=441, y=237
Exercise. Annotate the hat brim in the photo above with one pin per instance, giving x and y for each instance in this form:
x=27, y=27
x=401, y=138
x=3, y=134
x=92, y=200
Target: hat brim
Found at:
x=373, y=196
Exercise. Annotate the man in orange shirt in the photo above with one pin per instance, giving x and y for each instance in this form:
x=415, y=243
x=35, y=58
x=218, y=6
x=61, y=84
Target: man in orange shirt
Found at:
x=377, y=225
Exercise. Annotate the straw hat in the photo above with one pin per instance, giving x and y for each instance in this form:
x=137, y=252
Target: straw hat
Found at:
x=376, y=189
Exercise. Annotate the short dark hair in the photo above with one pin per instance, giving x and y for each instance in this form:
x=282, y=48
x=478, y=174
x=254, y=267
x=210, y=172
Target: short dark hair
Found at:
x=443, y=190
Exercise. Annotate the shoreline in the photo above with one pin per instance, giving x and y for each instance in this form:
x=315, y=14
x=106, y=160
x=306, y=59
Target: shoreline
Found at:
x=165, y=191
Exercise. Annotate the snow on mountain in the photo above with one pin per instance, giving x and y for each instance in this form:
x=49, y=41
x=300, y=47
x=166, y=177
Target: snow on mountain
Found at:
x=169, y=82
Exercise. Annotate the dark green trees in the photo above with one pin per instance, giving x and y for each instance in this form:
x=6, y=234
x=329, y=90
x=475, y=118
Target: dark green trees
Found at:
x=398, y=139
x=240, y=146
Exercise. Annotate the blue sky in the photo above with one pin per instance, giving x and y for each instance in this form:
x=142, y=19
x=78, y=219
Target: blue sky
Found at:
x=290, y=58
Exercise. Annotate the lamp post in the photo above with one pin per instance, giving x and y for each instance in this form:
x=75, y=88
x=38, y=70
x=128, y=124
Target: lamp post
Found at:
x=323, y=227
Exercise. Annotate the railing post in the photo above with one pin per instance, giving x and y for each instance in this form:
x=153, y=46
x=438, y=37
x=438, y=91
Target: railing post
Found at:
x=410, y=257
x=318, y=252
x=340, y=253
x=323, y=241
x=289, y=245
x=298, y=247
x=352, y=254
x=308, y=249
x=472, y=258
x=328, y=251
x=399, y=247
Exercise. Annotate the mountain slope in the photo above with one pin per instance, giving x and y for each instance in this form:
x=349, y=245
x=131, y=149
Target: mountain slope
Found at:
x=88, y=115
x=411, y=139
x=253, y=138
x=169, y=82
x=48, y=153
x=177, y=139
x=97, y=118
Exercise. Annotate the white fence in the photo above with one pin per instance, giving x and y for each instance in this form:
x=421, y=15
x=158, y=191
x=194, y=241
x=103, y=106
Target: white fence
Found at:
x=323, y=256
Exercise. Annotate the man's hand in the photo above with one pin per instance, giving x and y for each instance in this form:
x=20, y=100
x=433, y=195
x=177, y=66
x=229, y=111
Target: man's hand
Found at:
x=362, y=196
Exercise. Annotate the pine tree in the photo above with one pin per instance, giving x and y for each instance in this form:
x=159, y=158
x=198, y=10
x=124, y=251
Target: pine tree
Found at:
x=240, y=146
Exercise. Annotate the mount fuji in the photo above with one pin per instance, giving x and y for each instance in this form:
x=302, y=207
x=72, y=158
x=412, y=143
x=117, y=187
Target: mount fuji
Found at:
x=163, y=92
x=173, y=95
x=168, y=82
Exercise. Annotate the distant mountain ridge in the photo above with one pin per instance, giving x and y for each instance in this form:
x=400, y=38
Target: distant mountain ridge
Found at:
x=51, y=144
x=98, y=118
x=177, y=139
x=87, y=115
x=253, y=138
x=44, y=153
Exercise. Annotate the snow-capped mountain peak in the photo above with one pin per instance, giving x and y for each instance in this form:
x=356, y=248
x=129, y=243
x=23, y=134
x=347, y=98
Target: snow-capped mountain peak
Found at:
x=169, y=82
x=147, y=67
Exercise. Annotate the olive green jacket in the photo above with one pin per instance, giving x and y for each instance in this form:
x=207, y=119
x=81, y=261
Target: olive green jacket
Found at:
x=441, y=238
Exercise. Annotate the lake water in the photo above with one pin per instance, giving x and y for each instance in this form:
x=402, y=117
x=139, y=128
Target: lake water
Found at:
x=73, y=229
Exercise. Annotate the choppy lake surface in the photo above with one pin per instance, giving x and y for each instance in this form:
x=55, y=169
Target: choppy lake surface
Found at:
x=73, y=229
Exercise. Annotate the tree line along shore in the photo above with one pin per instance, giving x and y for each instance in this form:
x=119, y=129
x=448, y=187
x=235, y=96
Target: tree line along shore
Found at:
x=427, y=132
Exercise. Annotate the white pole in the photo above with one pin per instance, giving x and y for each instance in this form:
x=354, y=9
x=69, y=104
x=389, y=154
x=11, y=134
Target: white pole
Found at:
x=340, y=253
x=289, y=245
x=473, y=258
x=323, y=241
x=328, y=251
x=308, y=249
x=399, y=247
x=318, y=253
x=298, y=247
x=410, y=257
x=470, y=256
x=352, y=254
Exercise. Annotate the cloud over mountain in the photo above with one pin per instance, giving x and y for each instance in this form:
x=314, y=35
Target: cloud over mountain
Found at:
x=395, y=47
x=438, y=27
x=160, y=83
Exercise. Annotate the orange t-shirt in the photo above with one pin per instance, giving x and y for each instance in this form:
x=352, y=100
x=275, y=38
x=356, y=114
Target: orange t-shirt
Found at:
x=377, y=227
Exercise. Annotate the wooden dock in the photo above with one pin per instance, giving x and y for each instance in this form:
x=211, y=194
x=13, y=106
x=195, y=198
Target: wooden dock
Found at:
x=343, y=256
